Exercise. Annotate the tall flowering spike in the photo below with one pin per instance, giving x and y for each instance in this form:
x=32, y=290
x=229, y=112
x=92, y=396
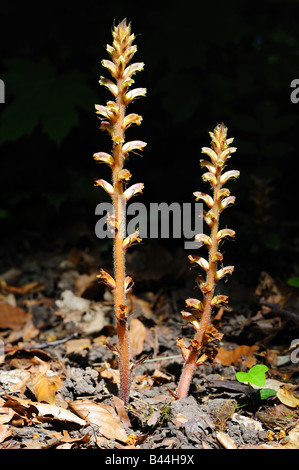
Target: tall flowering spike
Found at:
x=116, y=121
x=218, y=155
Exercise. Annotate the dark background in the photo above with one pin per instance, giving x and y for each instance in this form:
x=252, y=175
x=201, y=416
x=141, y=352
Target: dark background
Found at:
x=205, y=62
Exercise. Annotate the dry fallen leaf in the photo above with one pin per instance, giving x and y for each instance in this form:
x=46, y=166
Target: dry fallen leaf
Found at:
x=137, y=334
x=5, y=432
x=225, y=440
x=6, y=414
x=98, y=415
x=41, y=411
x=46, y=388
x=180, y=419
x=121, y=411
x=77, y=345
x=234, y=356
x=287, y=398
x=292, y=441
x=12, y=317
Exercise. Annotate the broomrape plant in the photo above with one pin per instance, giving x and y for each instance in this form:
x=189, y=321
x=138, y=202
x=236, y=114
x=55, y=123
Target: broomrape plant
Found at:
x=198, y=312
x=115, y=121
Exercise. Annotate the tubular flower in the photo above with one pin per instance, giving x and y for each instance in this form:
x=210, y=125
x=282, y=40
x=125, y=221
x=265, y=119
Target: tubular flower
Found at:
x=115, y=121
x=199, y=312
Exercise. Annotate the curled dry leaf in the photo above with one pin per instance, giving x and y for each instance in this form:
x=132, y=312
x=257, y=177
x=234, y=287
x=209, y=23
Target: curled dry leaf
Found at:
x=234, y=356
x=225, y=440
x=46, y=389
x=287, y=398
x=42, y=411
x=96, y=414
x=12, y=317
x=5, y=431
x=121, y=411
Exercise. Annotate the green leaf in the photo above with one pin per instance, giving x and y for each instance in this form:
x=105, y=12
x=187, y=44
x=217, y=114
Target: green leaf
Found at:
x=265, y=393
x=293, y=281
x=255, y=376
x=41, y=96
x=272, y=241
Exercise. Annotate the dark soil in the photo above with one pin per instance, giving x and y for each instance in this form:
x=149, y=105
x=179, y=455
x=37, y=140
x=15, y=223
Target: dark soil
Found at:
x=219, y=411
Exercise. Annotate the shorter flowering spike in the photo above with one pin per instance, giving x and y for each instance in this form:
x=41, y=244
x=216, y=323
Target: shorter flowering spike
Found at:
x=219, y=153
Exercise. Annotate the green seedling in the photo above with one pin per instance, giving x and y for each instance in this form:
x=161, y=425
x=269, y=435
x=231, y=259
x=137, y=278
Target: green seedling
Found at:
x=256, y=376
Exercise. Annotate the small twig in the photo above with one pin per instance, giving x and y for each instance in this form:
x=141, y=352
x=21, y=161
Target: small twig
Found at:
x=46, y=344
x=178, y=356
x=292, y=315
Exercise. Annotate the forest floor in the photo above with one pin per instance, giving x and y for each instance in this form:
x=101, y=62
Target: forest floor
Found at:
x=59, y=374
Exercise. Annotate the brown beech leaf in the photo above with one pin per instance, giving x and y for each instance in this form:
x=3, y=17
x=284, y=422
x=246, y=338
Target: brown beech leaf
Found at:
x=293, y=439
x=12, y=317
x=46, y=388
x=5, y=431
x=96, y=414
x=234, y=356
x=41, y=411
x=77, y=345
x=137, y=335
x=287, y=398
x=121, y=411
x=6, y=414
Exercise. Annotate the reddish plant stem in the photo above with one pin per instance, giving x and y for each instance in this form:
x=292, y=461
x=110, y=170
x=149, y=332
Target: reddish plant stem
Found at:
x=190, y=363
x=119, y=256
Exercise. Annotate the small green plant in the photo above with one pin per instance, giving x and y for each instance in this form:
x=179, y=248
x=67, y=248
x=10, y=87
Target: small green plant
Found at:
x=256, y=376
x=199, y=312
x=115, y=121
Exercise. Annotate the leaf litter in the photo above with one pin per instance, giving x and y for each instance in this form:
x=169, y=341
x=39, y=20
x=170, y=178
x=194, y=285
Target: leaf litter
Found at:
x=59, y=373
